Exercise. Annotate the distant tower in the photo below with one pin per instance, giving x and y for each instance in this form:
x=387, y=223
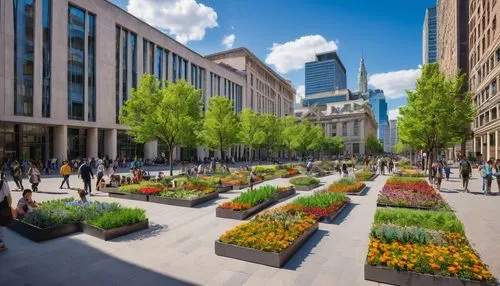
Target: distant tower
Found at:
x=362, y=78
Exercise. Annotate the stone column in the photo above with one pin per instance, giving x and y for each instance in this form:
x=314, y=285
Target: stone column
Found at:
x=110, y=143
x=61, y=142
x=481, y=147
x=488, y=149
x=92, y=142
x=474, y=144
x=151, y=149
x=496, y=145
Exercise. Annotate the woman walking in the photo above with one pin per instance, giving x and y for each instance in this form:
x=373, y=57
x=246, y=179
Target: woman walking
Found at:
x=100, y=173
x=439, y=175
x=34, y=177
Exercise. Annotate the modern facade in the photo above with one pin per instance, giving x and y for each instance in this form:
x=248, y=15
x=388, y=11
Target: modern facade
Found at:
x=430, y=36
x=379, y=106
x=267, y=91
x=326, y=74
x=484, y=76
x=393, y=124
x=68, y=67
x=339, y=95
x=353, y=120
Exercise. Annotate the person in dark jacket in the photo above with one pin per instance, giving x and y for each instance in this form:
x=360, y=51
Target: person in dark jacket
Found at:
x=85, y=172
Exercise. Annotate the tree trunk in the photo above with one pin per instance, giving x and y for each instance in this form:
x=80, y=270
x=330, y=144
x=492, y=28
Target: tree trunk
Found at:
x=171, y=160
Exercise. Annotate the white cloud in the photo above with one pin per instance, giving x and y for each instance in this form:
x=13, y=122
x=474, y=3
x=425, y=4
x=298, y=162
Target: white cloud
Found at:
x=301, y=92
x=186, y=20
x=228, y=41
x=395, y=83
x=293, y=55
x=394, y=113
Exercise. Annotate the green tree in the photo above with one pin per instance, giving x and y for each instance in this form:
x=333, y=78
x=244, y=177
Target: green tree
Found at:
x=309, y=138
x=289, y=133
x=272, y=128
x=170, y=112
x=372, y=145
x=333, y=145
x=437, y=112
x=250, y=135
x=221, y=126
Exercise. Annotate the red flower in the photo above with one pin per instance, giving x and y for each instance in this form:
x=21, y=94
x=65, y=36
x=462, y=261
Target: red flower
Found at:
x=150, y=190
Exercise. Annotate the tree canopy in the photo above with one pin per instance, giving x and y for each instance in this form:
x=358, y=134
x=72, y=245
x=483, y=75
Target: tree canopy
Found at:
x=250, y=133
x=170, y=112
x=372, y=145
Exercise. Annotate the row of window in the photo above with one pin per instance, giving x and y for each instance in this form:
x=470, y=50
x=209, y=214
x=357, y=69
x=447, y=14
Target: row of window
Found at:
x=486, y=117
x=333, y=128
x=485, y=69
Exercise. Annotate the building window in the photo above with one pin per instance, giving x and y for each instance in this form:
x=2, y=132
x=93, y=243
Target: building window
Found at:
x=91, y=69
x=356, y=128
x=174, y=67
x=24, y=23
x=76, y=63
x=344, y=128
x=47, y=55
x=133, y=50
x=185, y=69
x=117, y=74
x=144, y=56
x=333, y=128
x=159, y=63
x=166, y=52
x=77, y=142
x=124, y=56
x=151, y=58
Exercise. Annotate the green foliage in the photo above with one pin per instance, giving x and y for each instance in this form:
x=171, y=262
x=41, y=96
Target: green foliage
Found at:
x=320, y=200
x=389, y=233
x=118, y=218
x=437, y=112
x=346, y=181
x=250, y=134
x=435, y=220
x=333, y=145
x=220, y=129
x=170, y=112
x=256, y=196
x=372, y=145
x=273, y=130
x=304, y=181
x=266, y=169
x=395, y=180
x=308, y=138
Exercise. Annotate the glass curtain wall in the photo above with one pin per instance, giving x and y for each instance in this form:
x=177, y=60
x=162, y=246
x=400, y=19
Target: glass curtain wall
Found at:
x=24, y=35
x=76, y=63
x=47, y=55
x=91, y=69
x=117, y=74
x=133, y=47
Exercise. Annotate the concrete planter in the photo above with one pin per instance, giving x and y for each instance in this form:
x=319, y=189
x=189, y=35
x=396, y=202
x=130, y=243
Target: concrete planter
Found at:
x=289, y=192
x=360, y=193
x=224, y=188
x=241, y=215
x=183, y=202
x=273, y=259
x=239, y=187
x=407, y=207
x=373, y=177
x=395, y=277
x=305, y=188
x=127, y=196
x=38, y=234
x=107, y=234
x=331, y=217
x=109, y=189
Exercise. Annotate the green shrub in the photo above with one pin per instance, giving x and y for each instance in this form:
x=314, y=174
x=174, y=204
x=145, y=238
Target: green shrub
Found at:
x=436, y=220
x=256, y=196
x=180, y=194
x=397, y=179
x=389, y=233
x=305, y=181
x=118, y=218
x=346, y=181
x=320, y=200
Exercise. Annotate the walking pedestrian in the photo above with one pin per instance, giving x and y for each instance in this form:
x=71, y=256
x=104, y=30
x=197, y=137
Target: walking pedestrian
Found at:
x=439, y=175
x=34, y=177
x=447, y=171
x=5, y=209
x=465, y=171
x=85, y=172
x=481, y=169
x=251, y=180
x=100, y=173
x=18, y=176
x=65, y=171
x=344, y=170
x=497, y=173
x=488, y=176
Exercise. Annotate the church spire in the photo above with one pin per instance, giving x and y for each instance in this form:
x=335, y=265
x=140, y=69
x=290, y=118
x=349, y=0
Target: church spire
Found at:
x=362, y=77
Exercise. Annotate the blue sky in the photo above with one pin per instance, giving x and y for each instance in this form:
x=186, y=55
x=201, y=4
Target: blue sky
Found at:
x=387, y=33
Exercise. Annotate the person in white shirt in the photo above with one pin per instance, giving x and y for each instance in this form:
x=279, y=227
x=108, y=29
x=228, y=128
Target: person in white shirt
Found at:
x=5, y=201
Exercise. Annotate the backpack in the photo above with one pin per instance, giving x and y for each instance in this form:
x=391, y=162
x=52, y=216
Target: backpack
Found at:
x=465, y=167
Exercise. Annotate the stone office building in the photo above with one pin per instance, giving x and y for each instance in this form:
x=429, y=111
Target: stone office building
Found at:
x=67, y=68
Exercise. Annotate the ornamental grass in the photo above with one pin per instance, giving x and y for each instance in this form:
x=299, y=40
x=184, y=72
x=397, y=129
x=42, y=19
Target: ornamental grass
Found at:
x=364, y=175
x=346, y=185
x=250, y=199
x=272, y=231
x=305, y=181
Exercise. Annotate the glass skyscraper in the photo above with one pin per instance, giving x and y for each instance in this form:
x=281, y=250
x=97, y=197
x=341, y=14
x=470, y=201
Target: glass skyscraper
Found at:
x=429, y=36
x=379, y=107
x=326, y=74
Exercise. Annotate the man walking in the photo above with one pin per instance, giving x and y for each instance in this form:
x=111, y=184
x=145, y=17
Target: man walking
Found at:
x=65, y=171
x=18, y=176
x=85, y=172
x=465, y=170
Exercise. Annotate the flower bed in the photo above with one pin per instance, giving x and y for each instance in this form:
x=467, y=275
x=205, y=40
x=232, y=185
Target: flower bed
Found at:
x=347, y=185
x=284, y=192
x=116, y=223
x=248, y=203
x=321, y=205
x=411, y=193
x=406, y=245
x=304, y=183
x=364, y=175
x=269, y=239
x=61, y=217
x=183, y=197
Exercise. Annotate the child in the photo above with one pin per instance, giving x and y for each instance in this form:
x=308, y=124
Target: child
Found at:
x=26, y=204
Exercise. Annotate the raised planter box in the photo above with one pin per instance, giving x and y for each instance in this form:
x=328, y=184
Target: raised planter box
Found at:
x=395, y=277
x=320, y=175
x=331, y=217
x=239, y=187
x=241, y=215
x=289, y=176
x=107, y=234
x=273, y=259
x=183, y=202
x=109, y=189
x=407, y=207
x=224, y=188
x=127, y=196
x=305, y=188
x=37, y=234
x=282, y=195
x=373, y=177
x=360, y=193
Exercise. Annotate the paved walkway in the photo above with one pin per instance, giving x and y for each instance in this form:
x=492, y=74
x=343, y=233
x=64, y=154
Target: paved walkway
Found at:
x=179, y=246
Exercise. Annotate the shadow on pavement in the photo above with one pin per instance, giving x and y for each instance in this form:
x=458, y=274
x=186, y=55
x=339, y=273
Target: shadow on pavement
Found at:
x=152, y=231
x=343, y=215
x=68, y=261
x=306, y=250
